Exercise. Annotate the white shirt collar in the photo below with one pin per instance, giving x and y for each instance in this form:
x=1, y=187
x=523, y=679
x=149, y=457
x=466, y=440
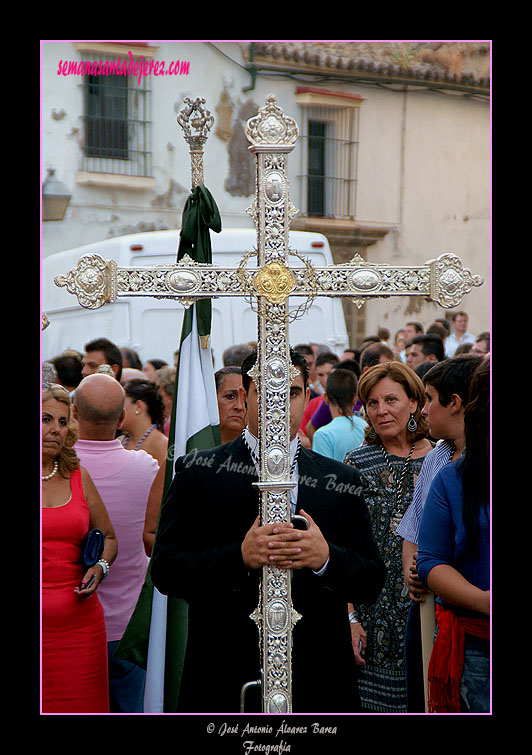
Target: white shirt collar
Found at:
x=253, y=444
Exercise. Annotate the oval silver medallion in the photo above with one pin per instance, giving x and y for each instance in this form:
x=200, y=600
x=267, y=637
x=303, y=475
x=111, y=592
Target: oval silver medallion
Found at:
x=275, y=461
x=277, y=617
x=365, y=280
x=182, y=281
x=278, y=703
x=274, y=186
x=276, y=372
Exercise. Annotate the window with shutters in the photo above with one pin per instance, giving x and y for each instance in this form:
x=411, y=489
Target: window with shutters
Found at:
x=329, y=132
x=117, y=122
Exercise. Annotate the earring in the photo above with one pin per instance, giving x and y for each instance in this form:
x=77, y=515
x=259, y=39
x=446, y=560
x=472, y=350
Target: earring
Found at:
x=372, y=433
x=412, y=424
x=137, y=411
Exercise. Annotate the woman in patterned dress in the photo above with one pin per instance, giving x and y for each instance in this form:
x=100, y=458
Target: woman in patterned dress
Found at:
x=389, y=461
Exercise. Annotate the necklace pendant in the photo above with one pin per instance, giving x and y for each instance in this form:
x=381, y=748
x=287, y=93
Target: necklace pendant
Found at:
x=394, y=522
x=399, y=488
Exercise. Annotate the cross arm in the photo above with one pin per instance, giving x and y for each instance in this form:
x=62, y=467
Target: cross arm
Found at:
x=443, y=280
x=96, y=281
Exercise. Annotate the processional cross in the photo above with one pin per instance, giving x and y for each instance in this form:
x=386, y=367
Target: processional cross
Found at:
x=268, y=287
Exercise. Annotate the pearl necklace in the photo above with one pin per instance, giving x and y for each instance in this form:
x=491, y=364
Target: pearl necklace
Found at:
x=49, y=476
x=141, y=441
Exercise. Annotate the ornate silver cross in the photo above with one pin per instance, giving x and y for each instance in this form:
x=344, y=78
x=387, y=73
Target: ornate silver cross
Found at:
x=268, y=287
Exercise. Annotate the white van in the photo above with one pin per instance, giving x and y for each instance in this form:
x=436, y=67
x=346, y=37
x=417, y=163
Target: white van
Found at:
x=152, y=327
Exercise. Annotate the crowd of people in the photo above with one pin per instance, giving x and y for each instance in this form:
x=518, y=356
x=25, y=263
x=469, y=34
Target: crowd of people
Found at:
x=403, y=422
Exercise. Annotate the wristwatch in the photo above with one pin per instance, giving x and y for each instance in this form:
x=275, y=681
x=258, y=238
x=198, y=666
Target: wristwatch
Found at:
x=105, y=568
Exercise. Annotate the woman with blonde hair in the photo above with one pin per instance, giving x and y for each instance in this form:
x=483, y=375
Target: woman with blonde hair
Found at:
x=389, y=462
x=74, y=646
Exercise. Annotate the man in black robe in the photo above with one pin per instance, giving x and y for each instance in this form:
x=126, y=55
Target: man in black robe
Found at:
x=210, y=549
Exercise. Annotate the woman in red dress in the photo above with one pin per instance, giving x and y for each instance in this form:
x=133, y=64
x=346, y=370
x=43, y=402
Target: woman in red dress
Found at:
x=74, y=643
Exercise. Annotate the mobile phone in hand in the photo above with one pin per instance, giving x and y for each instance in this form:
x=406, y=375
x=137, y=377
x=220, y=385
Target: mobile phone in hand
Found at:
x=89, y=583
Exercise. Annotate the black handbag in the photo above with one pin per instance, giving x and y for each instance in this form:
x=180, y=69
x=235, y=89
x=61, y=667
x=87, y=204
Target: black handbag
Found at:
x=92, y=547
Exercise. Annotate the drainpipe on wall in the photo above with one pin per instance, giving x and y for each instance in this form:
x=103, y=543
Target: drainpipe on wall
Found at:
x=398, y=231
x=252, y=69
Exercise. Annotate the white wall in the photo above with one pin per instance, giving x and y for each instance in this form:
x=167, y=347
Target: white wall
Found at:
x=446, y=203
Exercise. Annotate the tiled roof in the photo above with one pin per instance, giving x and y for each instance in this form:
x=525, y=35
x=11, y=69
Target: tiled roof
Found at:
x=458, y=65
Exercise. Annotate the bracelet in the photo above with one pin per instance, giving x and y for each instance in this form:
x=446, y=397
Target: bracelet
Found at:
x=105, y=568
x=352, y=619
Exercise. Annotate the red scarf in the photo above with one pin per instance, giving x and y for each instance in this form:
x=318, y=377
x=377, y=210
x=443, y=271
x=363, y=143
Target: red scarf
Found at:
x=447, y=658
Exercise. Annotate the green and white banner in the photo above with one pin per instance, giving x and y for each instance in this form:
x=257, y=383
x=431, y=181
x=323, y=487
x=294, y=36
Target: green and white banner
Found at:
x=155, y=637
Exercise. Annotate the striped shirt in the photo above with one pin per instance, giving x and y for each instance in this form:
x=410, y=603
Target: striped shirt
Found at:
x=440, y=455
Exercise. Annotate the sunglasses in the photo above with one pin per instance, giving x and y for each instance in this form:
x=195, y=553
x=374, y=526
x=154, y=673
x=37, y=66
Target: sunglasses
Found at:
x=55, y=385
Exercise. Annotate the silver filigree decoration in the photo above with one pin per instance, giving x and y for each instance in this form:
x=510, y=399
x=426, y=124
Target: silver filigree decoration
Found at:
x=271, y=126
x=93, y=281
x=450, y=280
x=196, y=115
x=96, y=281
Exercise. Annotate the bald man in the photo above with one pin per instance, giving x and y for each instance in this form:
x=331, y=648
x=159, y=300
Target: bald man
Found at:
x=123, y=479
x=99, y=407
